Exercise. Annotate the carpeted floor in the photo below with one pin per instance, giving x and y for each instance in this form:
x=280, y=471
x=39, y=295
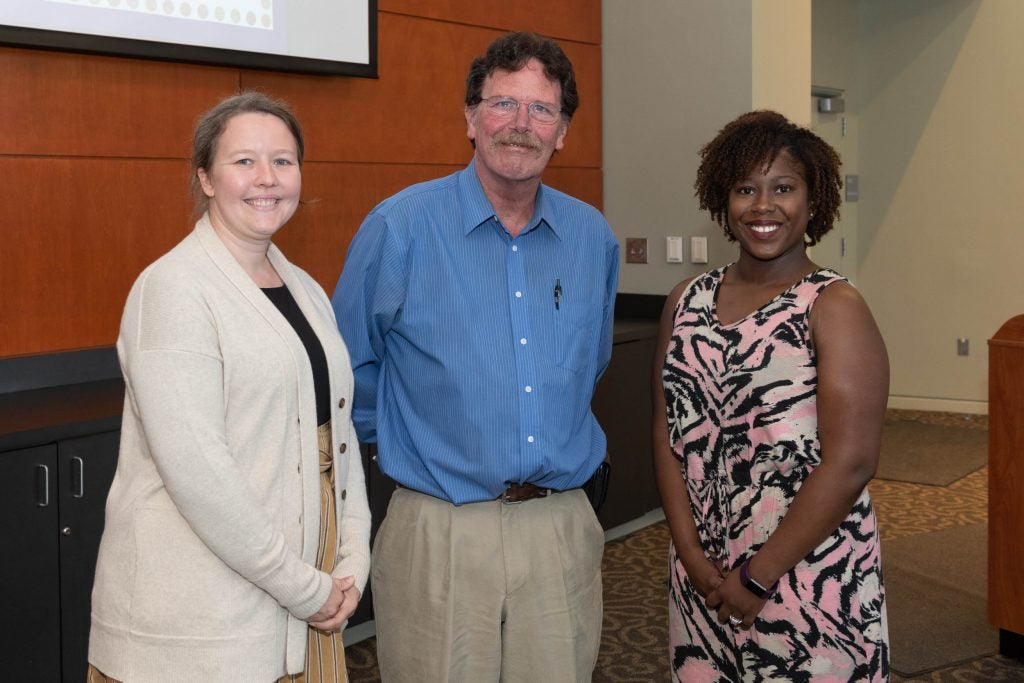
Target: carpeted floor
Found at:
x=933, y=545
x=922, y=453
x=936, y=590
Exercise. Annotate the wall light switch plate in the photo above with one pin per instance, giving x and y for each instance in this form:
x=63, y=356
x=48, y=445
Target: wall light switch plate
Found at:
x=852, y=187
x=636, y=250
x=674, y=249
x=698, y=250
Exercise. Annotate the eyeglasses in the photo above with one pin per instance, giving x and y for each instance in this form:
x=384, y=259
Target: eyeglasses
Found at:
x=507, y=107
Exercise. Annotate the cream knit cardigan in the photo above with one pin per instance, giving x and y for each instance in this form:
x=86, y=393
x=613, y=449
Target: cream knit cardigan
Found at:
x=206, y=567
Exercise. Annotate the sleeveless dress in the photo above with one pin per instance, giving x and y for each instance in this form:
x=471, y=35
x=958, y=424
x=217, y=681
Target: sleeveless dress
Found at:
x=742, y=421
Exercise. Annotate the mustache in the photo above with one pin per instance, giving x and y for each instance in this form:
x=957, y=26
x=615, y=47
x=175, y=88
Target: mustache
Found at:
x=519, y=139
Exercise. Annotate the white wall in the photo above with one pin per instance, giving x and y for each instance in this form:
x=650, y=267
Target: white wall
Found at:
x=675, y=72
x=942, y=188
x=933, y=94
x=834, y=64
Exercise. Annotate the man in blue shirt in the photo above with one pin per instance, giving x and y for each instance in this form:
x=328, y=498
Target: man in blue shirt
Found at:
x=477, y=309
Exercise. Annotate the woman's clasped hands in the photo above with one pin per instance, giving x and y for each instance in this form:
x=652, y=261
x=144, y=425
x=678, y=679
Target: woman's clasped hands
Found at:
x=734, y=604
x=340, y=605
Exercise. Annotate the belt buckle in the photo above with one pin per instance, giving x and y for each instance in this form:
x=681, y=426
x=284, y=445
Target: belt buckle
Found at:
x=521, y=496
x=505, y=500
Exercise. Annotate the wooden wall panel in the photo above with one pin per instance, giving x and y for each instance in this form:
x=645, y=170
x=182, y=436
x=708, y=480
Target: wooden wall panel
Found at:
x=75, y=235
x=65, y=104
x=317, y=237
x=578, y=20
x=582, y=183
x=94, y=150
x=396, y=119
x=72, y=270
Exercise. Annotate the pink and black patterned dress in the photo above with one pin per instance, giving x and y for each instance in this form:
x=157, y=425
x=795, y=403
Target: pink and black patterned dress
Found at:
x=742, y=420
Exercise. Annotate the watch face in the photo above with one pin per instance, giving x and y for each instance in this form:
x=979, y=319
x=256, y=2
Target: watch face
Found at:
x=753, y=586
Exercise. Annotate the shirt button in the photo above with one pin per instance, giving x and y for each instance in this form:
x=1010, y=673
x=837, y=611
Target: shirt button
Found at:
x=515, y=248
x=528, y=388
x=523, y=341
x=342, y=448
x=519, y=295
x=344, y=493
x=529, y=439
x=341, y=403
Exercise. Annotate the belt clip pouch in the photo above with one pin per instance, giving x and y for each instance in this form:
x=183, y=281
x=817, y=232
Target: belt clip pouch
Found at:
x=597, y=487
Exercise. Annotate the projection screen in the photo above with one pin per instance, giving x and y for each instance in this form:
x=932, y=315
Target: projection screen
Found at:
x=309, y=36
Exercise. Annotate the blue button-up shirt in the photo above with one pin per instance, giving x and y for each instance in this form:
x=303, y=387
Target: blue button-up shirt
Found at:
x=476, y=354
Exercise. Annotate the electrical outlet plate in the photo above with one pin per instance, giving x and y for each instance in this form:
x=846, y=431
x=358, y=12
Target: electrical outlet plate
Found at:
x=636, y=250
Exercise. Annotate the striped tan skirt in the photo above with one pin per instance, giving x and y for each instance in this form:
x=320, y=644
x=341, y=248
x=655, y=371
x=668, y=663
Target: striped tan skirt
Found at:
x=325, y=653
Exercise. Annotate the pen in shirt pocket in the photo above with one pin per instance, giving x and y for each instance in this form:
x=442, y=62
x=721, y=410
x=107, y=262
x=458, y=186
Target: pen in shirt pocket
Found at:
x=558, y=293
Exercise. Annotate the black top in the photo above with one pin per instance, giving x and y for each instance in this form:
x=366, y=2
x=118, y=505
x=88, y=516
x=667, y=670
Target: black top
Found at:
x=282, y=298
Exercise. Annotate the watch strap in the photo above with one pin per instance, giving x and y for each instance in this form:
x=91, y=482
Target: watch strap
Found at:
x=753, y=586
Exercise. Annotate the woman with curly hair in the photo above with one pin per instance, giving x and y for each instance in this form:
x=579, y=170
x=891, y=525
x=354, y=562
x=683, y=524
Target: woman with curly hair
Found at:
x=769, y=399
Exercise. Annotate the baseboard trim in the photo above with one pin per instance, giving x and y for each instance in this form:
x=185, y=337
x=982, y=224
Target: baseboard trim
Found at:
x=359, y=632
x=652, y=517
x=938, y=405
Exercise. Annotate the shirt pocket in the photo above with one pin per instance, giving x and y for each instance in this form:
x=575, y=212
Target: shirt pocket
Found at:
x=576, y=335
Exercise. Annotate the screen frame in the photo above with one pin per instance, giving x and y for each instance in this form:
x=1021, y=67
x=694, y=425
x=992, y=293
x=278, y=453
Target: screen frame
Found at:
x=64, y=41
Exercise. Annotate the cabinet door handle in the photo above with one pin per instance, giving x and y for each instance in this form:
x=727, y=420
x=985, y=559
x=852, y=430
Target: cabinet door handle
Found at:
x=42, y=485
x=77, y=477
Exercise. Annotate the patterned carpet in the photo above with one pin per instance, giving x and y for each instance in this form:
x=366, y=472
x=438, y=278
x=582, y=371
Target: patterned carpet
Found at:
x=634, y=641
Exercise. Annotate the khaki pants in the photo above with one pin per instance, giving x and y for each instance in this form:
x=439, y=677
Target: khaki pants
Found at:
x=488, y=591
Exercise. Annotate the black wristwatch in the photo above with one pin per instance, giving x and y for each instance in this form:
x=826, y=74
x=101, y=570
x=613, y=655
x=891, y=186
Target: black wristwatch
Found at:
x=753, y=586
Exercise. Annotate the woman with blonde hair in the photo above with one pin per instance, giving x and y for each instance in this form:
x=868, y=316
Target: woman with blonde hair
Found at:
x=236, y=543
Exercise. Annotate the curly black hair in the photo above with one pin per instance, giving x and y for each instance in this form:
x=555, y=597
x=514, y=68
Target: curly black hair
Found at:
x=511, y=52
x=753, y=141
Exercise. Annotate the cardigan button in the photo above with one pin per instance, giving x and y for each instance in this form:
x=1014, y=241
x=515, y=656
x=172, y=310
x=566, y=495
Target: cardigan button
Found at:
x=344, y=492
x=341, y=403
x=343, y=447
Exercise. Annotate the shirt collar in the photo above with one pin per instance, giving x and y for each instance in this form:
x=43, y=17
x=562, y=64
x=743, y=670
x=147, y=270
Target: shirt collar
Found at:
x=477, y=209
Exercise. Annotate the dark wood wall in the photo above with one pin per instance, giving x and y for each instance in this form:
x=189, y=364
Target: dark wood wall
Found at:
x=94, y=154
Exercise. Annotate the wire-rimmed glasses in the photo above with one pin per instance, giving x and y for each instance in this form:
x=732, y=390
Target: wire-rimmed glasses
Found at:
x=506, y=107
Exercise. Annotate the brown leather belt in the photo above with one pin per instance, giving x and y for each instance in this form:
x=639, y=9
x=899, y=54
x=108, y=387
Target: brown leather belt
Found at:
x=518, y=493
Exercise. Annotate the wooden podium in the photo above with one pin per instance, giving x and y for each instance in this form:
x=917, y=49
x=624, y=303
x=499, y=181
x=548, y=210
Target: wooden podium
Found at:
x=1006, y=486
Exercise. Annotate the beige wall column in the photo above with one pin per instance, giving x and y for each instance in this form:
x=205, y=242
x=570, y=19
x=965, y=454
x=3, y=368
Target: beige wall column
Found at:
x=781, y=59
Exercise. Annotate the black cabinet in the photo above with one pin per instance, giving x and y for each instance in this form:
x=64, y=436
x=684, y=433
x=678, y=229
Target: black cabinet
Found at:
x=622, y=405
x=30, y=573
x=85, y=468
x=52, y=501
